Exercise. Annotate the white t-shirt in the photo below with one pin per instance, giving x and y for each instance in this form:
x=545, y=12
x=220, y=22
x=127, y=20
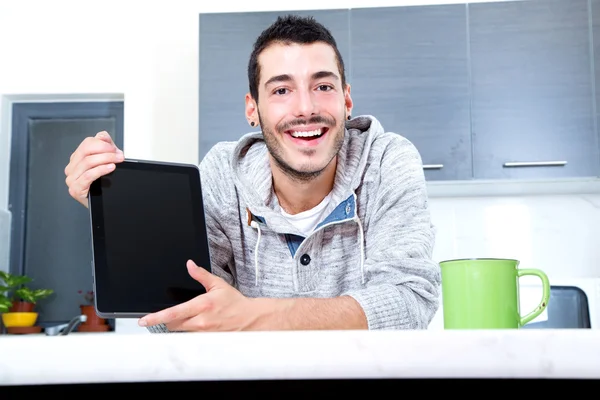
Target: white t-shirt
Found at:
x=306, y=221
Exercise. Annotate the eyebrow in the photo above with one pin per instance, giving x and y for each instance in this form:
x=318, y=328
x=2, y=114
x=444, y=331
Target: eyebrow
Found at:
x=287, y=78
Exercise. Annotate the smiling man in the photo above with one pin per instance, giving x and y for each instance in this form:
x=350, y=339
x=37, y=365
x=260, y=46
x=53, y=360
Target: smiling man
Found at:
x=317, y=220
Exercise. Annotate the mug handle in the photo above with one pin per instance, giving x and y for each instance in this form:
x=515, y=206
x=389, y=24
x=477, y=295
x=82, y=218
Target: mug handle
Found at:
x=545, y=294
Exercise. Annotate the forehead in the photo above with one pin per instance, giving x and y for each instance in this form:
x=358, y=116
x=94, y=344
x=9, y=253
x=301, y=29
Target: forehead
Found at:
x=297, y=60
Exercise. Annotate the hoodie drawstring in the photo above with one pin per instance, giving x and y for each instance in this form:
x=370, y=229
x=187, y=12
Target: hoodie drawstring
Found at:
x=362, y=248
x=255, y=225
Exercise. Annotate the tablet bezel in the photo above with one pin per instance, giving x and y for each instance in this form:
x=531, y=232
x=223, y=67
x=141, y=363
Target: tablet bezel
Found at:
x=99, y=267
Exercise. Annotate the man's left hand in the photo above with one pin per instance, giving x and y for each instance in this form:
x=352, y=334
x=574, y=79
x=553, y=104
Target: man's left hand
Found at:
x=221, y=308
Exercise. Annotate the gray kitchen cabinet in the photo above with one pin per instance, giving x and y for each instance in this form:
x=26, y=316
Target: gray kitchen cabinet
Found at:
x=225, y=45
x=595, y=19
x=532, y=90
x=410, y=70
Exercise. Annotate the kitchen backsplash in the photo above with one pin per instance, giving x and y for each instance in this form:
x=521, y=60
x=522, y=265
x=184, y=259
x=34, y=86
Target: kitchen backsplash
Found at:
x=556, y=233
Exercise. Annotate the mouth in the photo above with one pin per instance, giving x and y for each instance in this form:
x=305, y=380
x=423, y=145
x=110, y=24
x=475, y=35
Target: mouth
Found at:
x=307, y=135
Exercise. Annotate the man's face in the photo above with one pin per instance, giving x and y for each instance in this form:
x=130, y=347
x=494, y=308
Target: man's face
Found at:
x=302, y=107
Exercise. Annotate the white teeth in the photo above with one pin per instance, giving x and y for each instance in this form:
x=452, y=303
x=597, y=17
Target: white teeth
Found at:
x=316, y=132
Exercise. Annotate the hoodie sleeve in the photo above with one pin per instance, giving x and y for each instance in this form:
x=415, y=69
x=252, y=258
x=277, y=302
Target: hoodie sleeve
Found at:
x=402, y=281
x=216, y=199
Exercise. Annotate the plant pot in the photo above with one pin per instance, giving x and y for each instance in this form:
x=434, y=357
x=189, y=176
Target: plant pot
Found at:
x=20, y=315
x=19, y=319
x=22, y=306
x=93, y=323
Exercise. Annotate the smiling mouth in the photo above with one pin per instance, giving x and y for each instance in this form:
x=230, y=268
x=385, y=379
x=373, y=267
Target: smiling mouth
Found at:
x=308, y=135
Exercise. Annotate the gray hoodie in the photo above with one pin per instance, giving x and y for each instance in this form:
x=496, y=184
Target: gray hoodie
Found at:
x=375, y=244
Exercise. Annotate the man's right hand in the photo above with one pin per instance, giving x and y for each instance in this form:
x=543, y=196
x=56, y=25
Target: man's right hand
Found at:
x=96, y=156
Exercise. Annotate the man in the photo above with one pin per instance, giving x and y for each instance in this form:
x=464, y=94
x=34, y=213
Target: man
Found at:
x=317, y=221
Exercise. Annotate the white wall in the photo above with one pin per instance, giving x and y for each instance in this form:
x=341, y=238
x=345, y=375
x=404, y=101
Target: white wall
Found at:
x=148, y=52
x=556, y=233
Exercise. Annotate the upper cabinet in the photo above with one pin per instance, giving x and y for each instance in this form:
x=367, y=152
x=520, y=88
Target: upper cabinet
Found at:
x=595, y=34
x=532, y=90
x=409, y=69
x=490, y=90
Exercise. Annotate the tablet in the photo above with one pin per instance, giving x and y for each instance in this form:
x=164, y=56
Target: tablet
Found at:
x=147, y=220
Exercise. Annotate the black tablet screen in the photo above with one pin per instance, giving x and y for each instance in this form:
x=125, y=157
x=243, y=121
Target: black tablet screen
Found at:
x=148, y=220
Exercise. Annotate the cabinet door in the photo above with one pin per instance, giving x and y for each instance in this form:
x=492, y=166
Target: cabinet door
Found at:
x=532, y=91
x=595, y=11
x=410, y=70
x=226, y=41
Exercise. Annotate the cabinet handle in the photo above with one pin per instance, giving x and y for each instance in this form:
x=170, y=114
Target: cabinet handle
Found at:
x=433, y=166
x=536, y=164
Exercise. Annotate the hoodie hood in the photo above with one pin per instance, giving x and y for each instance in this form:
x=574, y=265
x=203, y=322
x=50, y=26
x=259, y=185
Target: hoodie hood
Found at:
x=252, y=171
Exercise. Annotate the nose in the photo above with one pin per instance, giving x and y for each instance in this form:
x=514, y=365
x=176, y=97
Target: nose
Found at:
x=305, y=104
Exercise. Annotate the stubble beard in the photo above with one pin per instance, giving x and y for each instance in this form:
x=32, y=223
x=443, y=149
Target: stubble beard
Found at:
x=276, y=150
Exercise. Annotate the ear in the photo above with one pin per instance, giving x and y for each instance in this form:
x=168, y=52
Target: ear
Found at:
x=348, y=100
x=251, y=110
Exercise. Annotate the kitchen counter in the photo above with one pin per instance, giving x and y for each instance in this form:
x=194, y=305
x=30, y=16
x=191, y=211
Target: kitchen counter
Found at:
x=114, y=358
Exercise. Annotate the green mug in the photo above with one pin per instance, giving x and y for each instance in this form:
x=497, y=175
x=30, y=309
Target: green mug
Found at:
x=483, y=293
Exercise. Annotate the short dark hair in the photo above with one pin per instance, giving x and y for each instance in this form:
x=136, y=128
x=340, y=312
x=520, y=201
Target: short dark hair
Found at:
x=290, y=29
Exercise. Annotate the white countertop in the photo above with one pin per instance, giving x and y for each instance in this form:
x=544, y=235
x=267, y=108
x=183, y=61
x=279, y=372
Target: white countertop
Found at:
x=115, y=358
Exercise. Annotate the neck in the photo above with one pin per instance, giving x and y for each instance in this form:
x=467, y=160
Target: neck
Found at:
x=296, y=196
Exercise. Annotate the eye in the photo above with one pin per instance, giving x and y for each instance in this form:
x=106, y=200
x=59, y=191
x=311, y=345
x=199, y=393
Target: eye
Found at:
x=280, y=91
x=325, y=88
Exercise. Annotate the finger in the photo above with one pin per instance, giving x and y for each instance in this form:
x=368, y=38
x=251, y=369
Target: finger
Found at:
x=89, y=146
x=173, y=314
x=93, y=161
x=194, y=324
x=167, y=316
x=206, y=279
x=93, y=168
x=183, y=325
x=185, y=310
x=81, y=187
x=105, y=136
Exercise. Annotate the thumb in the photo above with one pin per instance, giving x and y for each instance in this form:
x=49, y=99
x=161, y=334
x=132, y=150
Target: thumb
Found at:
x=208, y=280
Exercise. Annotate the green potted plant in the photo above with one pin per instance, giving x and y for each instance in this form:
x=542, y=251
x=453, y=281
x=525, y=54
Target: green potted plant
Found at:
x=17, y=300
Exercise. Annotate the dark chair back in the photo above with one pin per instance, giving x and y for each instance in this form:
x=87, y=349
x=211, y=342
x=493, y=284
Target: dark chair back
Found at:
x=567, y=309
